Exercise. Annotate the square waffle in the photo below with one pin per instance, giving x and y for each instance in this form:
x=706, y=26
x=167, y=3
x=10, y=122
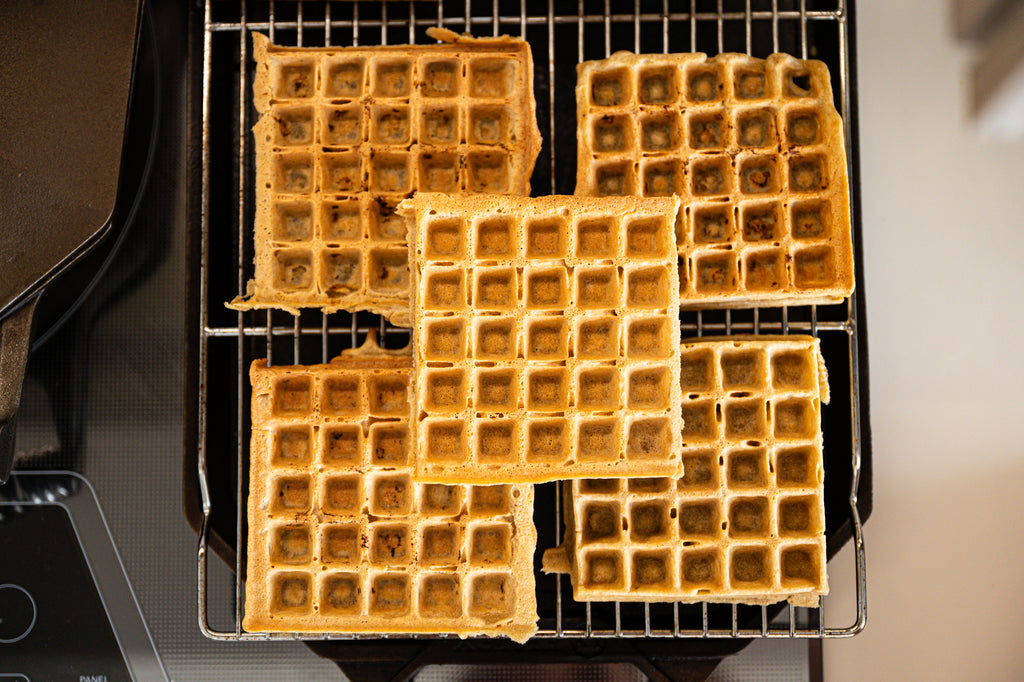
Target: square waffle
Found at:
x=746, y=521
x=346, y=133
x=546, y=337
x=754, y=147
x=343, y=539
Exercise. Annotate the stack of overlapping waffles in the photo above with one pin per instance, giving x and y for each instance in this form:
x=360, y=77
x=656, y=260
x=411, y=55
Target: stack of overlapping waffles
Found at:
x=390, y=491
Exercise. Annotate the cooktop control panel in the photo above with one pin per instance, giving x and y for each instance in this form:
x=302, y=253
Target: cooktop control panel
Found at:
x=53, y=625
x=67, y=611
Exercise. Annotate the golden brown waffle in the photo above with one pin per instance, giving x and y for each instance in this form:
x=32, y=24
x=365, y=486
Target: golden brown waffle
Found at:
x=346, y=133
x=746, y=521
x=342, y=539
x=546, y=337
x=756, y=150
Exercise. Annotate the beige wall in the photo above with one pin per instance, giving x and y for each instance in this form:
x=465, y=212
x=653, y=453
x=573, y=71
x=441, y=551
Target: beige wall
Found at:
x=943, y=222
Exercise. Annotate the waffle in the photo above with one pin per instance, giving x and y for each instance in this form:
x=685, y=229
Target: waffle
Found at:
x=756, y=150
x=746, y=521
x=346, y=133
x=547, y=337
x=342, y=539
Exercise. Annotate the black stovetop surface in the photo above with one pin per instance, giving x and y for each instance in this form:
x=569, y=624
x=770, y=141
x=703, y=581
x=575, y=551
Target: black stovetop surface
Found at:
x=104, y=399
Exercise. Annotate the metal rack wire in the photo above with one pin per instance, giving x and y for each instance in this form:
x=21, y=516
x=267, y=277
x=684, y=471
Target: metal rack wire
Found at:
x=601, y=26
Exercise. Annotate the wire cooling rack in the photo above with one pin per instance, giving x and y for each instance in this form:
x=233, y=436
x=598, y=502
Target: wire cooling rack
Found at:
x=561, y=34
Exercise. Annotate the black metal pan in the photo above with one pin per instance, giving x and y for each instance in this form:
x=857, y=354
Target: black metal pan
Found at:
x=65, y=80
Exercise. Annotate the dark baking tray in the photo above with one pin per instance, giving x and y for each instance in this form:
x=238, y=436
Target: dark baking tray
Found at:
x=397, y=658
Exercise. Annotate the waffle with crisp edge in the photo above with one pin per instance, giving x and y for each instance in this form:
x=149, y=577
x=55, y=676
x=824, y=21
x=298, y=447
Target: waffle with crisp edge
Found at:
x=547, y=337
x=755, y=148
x=343, y=539
x=346, y=133
x=745, y=523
